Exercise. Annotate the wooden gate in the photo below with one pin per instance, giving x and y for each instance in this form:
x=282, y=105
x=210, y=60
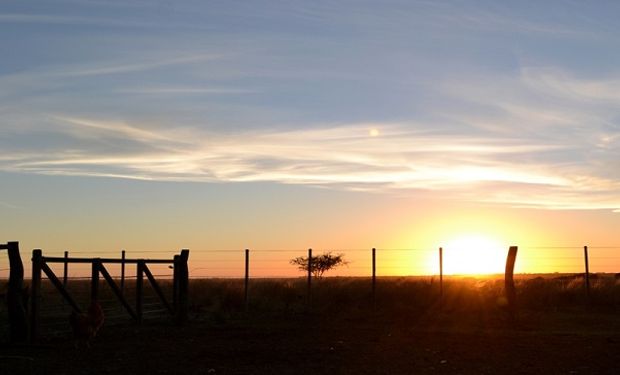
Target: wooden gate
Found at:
x=178, y=308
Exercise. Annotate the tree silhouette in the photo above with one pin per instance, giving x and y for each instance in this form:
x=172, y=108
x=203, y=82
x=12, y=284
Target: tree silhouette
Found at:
x=320, y=263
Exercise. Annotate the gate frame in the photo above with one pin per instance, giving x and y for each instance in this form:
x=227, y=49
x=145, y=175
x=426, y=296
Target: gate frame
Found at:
x=178, y=308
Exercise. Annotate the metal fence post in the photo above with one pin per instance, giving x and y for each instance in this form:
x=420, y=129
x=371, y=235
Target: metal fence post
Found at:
x=122, y=271
x=246, y=279
x=587, y=271
x=65, y=270
x=441, y=274
x=374, y=278
x=309, y=276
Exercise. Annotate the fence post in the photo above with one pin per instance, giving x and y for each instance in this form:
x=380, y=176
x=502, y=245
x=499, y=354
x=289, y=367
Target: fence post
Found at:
x=309, y=296
x=511, y=293
x=183, y=286
x=37, y=261
x=175, y=282
x=16, y=296
x=374, y=278
x=94, y=281
x=122, y=272
x=139, y=282
x=247, y=278
x=587, y=271
x=65, y=270
x=440, y=275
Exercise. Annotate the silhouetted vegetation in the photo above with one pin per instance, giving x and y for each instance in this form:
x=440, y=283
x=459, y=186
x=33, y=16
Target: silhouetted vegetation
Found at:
x=320, y=263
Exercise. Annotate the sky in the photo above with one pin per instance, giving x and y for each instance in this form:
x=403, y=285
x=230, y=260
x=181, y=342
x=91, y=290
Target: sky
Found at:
x=284, y=125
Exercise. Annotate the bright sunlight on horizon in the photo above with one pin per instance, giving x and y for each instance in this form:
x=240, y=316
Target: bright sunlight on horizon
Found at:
x=474, y=254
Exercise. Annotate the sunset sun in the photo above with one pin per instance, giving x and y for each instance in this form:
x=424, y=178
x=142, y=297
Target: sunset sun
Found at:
x=474, y=254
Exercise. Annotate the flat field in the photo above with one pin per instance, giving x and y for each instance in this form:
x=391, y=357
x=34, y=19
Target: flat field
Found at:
x=558, y=330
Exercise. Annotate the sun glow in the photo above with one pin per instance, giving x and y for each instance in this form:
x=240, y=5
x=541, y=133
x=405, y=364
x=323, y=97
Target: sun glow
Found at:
x=474, y=255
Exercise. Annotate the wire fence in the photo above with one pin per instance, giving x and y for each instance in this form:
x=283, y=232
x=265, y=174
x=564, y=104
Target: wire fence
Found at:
x=276, y=263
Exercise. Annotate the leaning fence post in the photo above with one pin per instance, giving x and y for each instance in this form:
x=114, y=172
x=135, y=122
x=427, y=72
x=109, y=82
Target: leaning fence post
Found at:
x=65, y=270
x=511, y=293
x=18, y=331
x=37, y=261
x=122, y=271
x=587, y=271
x=309, y=296
x=374, y=278
x=246, y=279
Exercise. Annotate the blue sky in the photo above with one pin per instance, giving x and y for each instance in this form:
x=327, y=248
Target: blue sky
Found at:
x=513, y=105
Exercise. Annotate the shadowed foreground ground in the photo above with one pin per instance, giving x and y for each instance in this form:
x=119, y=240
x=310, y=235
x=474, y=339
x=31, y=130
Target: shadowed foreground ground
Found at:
x=352, y=343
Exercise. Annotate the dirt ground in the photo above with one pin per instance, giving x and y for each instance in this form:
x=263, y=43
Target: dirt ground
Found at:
x=432, y=342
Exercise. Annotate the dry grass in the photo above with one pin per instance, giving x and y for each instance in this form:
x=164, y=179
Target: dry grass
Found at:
x=396, y=294
x=410, y=331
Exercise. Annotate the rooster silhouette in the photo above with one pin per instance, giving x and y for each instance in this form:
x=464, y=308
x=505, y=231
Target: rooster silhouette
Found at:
x=86, y=325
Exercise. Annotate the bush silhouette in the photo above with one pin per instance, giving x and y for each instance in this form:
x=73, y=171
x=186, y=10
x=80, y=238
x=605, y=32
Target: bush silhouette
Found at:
x=320, y=263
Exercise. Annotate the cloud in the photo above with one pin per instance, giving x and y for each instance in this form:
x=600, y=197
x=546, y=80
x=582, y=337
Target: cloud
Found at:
x=120, y=68
x=52, y=19
x=186, y=91
x=561, y=84
x=343, y=156
x=8, y=205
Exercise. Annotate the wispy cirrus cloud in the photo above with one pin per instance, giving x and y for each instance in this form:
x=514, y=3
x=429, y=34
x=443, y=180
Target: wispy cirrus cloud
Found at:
x=122, y=67
x=186, y=91
x=368, y=156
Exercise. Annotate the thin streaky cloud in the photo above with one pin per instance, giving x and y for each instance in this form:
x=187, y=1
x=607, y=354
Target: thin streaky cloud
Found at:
x=69, y=20
x=339, y=156
x=186, y=90
x=123, y=129
x=562, y=84
x=8, y=205
x=135, y=67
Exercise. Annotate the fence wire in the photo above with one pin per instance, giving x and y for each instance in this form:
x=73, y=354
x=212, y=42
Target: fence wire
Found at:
x=272, y=262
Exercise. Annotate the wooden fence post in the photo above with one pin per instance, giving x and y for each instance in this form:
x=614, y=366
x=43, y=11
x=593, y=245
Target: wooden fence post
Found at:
x=35, y=293
x=18, y=330
x=65, y=270
x=175, y=282
x=183, y=286
x=309, y=296
x=122, y=271
x=374, y=278
x=139, y=282
x=587, y=271
x=440, y=275
x=246, y=279
x=511, y=293
x=94, y=281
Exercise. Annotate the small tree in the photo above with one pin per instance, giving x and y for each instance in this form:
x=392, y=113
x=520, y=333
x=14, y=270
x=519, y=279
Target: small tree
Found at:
x=320, y=263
